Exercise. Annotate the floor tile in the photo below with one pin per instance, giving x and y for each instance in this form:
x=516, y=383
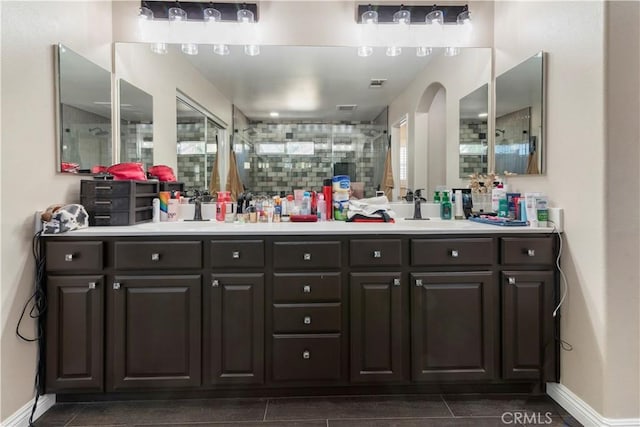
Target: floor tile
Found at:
x=496, y=405
x=170, y=412
x=349, y=407
x=58, y=415
x=420, y=422
x=305, y=423
x=561, y=421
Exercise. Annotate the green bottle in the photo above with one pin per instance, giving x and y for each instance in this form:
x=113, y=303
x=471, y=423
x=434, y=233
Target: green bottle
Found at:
x=445, y=206
x=436, y=197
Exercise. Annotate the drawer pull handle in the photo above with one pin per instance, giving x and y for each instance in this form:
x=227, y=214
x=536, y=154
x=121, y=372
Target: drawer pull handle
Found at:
x=235, y=254
x=531, y=252
x=418, y=282
x=396, y=282
x=155, y=257
x=306, y=354
x=512, y=280
x=92, y=285
x=307, y=257
x=307, y=320
x=68, y=257
x=116, y=285
x=215, y=283
x=104, y=187
x=454, y=253
x=377, y=254
x=306, y=289
x=103, y=202
x=102, y=216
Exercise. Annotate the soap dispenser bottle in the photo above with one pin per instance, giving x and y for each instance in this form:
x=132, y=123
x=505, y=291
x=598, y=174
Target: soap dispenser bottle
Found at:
x=445, y=206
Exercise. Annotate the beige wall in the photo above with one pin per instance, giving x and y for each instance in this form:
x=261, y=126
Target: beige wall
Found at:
x=28, y=148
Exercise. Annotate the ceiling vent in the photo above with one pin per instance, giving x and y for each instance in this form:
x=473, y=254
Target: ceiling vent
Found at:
x=377, y=83
x=346, y=107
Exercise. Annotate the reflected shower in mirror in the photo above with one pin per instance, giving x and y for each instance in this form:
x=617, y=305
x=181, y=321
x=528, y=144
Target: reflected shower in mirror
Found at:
x=136, y=125
x=84, y=113
x=474, y=109
x=519, y=141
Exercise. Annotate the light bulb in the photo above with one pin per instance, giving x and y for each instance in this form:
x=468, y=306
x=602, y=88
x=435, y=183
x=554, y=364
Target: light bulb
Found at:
x=370, y=17
x=159, y=48
x=394, y=51
x=221, y=49
x=189, y=48
x=434, y=17
x=177, y=14
x=365, y=51
x=423, y=51
x=145, y=14
x=403, y=16
x=451, y=51
x=252, y=49
x=464, y=17
x=211, y=15
x=245, y=16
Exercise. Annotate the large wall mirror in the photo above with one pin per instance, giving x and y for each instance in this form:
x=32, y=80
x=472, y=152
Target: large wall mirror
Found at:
x=474, y=114
x=136, y=125
x=519, y=131
x=84, y=113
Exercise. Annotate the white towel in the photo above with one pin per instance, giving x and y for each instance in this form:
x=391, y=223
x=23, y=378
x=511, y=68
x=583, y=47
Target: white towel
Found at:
x=369, y=207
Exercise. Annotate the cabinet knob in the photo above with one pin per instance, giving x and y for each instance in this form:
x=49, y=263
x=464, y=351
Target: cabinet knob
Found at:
x=307, y=320
x=215, y=283
x=155, y=257
x=418, y=282
x=454, y=253
x=116, y=285
x=396, y=282
x=531, y=252
x=68, y=257
x=512, y=280
x=306, y=289
x=377, y=254
x=306, y=354
x=307, y=257
x=92, y=285
x=235, y=254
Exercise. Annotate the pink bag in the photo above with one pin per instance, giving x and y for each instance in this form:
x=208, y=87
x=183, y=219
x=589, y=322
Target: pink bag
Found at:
x=163, y=173
x=127, y=171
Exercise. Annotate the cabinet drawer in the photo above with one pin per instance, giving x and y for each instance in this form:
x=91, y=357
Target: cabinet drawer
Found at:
x=527, y=250
x=157, y=255
x=70, y=256
x=372, y=252
x=306, y=255
x=478, y=251
x=237, y=253
x=301, y=318
x=301, y=357
x=117, y=204
x=310, y=287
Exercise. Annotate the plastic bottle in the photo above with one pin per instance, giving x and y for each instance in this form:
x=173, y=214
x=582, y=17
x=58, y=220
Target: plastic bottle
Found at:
x=445, y=206
x=503, y=208
x=322, y=208
x=305, y=207
x=436, y=197
x=497, y=194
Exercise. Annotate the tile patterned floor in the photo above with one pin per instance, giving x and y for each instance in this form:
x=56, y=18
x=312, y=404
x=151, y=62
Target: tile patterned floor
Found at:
x=336, y=411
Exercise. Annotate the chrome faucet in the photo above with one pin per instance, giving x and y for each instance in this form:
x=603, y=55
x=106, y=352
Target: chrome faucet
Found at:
x=417, y=199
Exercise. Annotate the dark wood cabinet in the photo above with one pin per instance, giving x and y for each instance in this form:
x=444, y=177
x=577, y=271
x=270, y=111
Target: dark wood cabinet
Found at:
x=234, y=329
x=376, y=327
x=528, y=342
x=75, y=331
x=154, y=332
x=453, y=319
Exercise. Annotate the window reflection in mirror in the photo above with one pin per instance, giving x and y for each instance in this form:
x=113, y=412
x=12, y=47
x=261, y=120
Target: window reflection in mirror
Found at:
x=474, y=113
x=136, y=125
x=519, y=140
x=84, y=113
x=197, y=138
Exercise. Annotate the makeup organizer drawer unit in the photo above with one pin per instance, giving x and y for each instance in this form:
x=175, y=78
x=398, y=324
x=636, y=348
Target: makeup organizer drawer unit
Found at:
x=375, y=252
x=237, y=253
x=118, y=202
x=527, y=251
x=161, y=255
x=453, y=252
x=306, y=255
x=74, y=256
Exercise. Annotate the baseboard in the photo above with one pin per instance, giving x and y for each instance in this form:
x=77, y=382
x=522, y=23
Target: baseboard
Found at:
x=21, y=417
x=584, y=413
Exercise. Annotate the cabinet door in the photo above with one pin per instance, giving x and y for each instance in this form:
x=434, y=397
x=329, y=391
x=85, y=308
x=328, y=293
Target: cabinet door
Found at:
x=376, y=327
x=154, y=326
x=234, y=329
x=74, y=333
x=527, y=324
x=453, y=323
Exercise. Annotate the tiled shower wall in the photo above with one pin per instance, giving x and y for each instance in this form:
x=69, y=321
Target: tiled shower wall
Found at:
x=273, y=173
x=136, y=143
x=195, y=169
x=512, y=146
x=81, y=146
x=473, y=132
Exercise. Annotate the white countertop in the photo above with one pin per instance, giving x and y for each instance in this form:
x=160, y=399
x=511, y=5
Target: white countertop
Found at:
x=401, y=226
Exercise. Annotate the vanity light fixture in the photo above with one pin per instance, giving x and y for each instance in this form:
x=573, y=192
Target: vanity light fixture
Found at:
x=436, y=16
x=464, y=17
x=145, y=13
x=370, y=16
x=451, y=51
x=423, y=51
x=245, y=15
x=221, y=49
x=189, y=48
x=402, y=16
x=252, y=49
x=177, y=13
x=159, y=48
x=365, y=51
x=211, y=14
x=394, y=51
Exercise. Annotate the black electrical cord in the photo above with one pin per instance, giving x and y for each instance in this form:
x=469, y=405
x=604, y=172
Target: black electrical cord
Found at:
x=38, y=302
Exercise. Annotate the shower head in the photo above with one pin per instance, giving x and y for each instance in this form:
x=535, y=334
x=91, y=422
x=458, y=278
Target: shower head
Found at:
x=499, y=132
x=98, y=131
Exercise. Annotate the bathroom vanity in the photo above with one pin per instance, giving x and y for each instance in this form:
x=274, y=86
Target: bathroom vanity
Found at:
x=294, y=308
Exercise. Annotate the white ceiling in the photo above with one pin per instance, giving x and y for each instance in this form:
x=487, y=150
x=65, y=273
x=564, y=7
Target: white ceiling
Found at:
x=520, y=87
x=475, y=103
